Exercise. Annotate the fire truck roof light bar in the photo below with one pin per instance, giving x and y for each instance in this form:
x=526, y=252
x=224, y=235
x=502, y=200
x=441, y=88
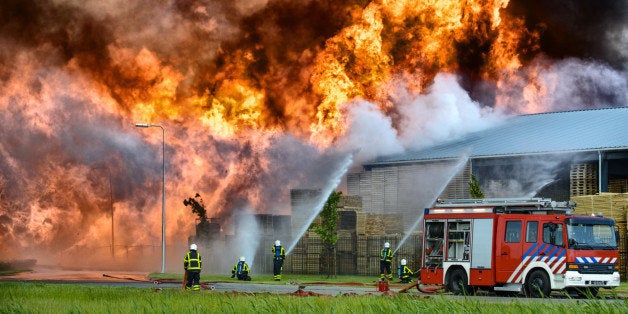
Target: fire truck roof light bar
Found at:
x=477, y=210
x=494, y=201
x=511, y=203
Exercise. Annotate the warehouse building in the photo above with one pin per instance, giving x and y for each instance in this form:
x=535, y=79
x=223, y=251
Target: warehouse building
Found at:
x=556, y=155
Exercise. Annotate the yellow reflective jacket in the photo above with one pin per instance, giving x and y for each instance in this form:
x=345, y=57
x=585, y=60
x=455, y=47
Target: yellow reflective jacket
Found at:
x=192, y=261
x=386, y=254
x=240, y=268
x=406, y=272
x=278, y=252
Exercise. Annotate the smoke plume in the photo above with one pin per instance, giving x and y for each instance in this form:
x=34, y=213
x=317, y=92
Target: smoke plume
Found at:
x=257, y=98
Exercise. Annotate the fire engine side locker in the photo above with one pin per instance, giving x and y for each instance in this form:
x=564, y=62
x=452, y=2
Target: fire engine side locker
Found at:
x=481, y=272
x=432, y=271
x=458, y=246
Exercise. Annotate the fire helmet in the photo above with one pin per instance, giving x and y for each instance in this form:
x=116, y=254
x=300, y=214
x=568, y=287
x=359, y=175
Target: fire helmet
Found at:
x=242, y=259
x=277, y=243
x=193, y=246
x=387, y=245
x=404, y=262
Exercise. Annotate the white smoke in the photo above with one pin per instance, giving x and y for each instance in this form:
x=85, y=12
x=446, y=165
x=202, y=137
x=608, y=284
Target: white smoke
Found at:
x=445, y=112
x=369, y=132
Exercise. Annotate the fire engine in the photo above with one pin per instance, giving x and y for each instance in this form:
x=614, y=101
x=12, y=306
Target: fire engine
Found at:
x=511, y=246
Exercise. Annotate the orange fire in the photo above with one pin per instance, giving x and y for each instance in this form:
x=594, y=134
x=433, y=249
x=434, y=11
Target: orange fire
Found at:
x=253, y=99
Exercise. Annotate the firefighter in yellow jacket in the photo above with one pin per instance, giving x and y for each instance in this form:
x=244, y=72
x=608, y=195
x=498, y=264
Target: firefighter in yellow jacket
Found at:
x=241, y=270
x=405, y=273
x=279, y=254
x=386, y=256
x=192, y=265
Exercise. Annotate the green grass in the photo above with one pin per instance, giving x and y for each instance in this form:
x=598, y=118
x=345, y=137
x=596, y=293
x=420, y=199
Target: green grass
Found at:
x=33, y=297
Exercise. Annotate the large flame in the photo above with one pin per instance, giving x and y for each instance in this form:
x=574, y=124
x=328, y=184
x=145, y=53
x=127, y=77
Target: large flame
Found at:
x=256, y=98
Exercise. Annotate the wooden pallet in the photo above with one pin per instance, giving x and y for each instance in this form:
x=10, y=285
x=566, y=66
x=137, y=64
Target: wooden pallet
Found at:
x=583, y=179
x=618, y=186
x=613, y=205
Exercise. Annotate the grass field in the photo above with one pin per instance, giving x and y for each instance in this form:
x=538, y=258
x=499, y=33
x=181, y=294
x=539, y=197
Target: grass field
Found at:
x=35, y=297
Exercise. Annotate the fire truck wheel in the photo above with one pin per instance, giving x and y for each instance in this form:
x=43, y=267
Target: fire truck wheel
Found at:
x=538, y=284
x=458, y=282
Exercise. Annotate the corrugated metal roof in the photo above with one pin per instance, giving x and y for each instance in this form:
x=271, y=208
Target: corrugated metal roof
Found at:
x=553, y=132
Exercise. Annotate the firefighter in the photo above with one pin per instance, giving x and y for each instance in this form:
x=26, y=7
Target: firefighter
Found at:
x=405, y=273
x=192, y=265
x=386, y=256
x=241, y=270
x=279, y=254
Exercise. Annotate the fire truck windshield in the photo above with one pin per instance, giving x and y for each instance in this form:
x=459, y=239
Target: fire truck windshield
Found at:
x=591, y=234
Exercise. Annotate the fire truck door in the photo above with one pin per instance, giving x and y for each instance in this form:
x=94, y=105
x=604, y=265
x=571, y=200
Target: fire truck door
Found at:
x=508, y=246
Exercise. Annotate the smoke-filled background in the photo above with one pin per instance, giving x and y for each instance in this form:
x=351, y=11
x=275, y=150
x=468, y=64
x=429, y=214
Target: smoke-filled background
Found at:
x=258, y=97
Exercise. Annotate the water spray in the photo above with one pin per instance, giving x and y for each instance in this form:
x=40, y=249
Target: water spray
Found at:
x=333, y=183
x=455, y=170
x=541, y=186
x=249, y=242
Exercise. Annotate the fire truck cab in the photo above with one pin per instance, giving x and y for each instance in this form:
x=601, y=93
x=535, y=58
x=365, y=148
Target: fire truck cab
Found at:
x=530, y=246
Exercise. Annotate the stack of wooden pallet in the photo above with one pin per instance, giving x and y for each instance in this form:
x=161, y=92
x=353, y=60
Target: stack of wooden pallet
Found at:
x=583, y=179
x=618, y=185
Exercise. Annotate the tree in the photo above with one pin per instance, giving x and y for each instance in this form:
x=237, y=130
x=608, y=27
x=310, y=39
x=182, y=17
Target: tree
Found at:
x=203, y=227
x=327, y=228
x=474, y=188
x=197, y=207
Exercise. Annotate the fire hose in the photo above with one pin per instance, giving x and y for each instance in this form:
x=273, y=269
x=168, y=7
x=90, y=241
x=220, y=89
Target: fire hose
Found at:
x=422, y=289
x=204, y=285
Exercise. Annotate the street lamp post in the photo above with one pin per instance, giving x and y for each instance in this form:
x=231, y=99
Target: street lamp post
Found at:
x=163, y=191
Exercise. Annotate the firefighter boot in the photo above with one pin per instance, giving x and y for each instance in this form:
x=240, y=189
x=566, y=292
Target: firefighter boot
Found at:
x=196, y=288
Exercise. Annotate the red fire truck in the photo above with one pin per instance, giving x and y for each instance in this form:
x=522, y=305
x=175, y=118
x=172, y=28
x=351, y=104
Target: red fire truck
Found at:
x=509, y=246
